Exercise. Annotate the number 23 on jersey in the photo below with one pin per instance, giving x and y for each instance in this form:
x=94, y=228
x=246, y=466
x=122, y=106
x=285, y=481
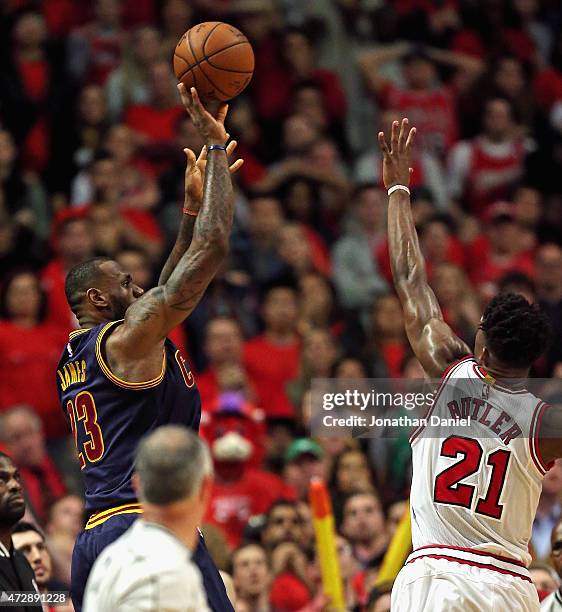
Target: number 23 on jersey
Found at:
x=83, y=413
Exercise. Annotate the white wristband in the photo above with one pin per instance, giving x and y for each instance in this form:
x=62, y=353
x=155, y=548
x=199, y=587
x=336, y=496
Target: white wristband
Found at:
x=398, y=188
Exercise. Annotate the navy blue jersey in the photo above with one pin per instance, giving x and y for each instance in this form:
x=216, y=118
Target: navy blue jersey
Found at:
x=109, y=416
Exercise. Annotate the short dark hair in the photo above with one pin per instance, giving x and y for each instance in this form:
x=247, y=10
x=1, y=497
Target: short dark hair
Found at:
x=517, y=333
x=24, y=526
x=281, y=502
x=80, y=279
x=519, y=279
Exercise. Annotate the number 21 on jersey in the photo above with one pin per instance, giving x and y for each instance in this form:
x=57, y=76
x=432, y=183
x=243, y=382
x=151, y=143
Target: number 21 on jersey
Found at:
x=83, y=413
x=448, y=486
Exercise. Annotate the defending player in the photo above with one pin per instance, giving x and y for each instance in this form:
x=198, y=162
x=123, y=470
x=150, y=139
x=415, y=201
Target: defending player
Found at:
x=120, y=377
x=473, y=496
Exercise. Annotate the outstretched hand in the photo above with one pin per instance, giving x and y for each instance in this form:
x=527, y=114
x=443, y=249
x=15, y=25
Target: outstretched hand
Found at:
x=195, y=171
x=396, y=168
x=211, y=128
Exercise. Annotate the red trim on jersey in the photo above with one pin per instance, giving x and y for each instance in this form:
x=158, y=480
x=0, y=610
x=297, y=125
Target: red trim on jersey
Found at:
x=474, y=564
x=472, y=551
x=446, y=374
x=534, y=438
x=478, y=369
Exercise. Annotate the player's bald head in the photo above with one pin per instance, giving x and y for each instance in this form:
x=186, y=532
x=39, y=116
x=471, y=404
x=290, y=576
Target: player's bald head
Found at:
x=82, y=277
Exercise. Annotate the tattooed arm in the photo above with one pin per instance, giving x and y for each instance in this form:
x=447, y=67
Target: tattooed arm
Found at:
x=149, y=319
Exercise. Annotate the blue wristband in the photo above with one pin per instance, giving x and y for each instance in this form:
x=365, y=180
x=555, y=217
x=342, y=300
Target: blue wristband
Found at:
x=216, y=147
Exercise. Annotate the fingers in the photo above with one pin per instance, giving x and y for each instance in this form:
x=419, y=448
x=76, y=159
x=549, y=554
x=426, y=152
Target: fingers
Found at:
x=202, y=154
x=191, y=161
x=383, y=145
x=402, y=136
x=222, y=112
x=231, y=146
x=236, y=166
x=186, y=100
x=394, y=137
x=411, y=139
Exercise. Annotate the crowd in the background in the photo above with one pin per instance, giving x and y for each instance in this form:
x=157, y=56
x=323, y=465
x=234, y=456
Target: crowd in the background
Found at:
x=91, y=162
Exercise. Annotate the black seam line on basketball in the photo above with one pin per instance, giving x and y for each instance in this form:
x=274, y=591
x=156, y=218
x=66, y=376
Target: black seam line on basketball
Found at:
x=224, y=93
x=208, y=36
x=228, y=69
x=206, y=58
x=194, y=57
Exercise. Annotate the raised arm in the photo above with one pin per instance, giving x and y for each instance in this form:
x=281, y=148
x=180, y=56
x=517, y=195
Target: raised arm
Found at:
x=371, y=62
x=194, y=181
x=149, y=319
x=432, y=340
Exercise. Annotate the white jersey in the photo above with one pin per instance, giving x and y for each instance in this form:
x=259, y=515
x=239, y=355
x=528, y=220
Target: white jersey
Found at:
x=475, y=487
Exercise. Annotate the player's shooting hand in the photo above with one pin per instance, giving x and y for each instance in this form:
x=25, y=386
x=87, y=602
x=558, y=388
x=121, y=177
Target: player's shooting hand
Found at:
x=396, y=168
x=211, y=128
x=195, y=172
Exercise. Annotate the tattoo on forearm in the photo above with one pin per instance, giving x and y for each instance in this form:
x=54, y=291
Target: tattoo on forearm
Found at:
x=185, y=235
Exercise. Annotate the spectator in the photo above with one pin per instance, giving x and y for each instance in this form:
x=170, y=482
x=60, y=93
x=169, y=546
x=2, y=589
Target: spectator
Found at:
x=517, y=282
x=484, y=169
x=544, y=578
x=30, y=344
x=549, y=511
x=303, y=462
x=128, y=83
x=176, y=19
x=363, y=524
x=173, y=478
x=549, y=294
x=356, y=272
x=272, y=359
x=66, y=516
x=21, y=432
x=252, y=578
x=95, y=49
x=283, y=524
x=554, y=600
x=318, y=305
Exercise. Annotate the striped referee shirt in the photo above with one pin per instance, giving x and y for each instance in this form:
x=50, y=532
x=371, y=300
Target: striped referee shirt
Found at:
x=148, y=569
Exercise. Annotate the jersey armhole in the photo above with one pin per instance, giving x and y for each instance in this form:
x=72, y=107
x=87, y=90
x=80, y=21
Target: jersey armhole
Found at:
x=444, y=377
x=534, y=449
x=135, y=386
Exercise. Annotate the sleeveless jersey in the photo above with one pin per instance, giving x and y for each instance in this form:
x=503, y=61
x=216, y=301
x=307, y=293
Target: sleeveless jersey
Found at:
x=477, y=486
x=109, y=416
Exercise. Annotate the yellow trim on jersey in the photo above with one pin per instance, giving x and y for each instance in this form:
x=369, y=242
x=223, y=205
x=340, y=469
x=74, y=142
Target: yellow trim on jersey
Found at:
x=147, y=384
x=77, y=332
x=100, y=517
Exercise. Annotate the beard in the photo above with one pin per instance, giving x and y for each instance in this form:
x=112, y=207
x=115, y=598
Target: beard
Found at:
x=10, y=516
x=118, y=309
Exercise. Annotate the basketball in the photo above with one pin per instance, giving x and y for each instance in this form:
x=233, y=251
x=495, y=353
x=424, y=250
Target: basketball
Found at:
x=216, y=59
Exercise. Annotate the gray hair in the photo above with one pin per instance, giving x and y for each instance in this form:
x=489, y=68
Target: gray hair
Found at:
x=171, y=463
x=19, y=410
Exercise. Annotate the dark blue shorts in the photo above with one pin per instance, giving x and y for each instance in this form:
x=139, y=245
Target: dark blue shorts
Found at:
x=90, y=543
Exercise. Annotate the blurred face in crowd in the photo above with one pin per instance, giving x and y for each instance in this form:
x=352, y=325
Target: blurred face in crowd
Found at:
x=556, y=548
x=319, y=352
x=509, y=77
x=146, y=45
x=548, y=266
x=33, y=546
x=250, y=571
x=91, y=105
x=350, y=368
x=23, y=296
x=294, y=247
x=7, y=149
x=162, y=82
x=12, y=503
x=76, y=241
x=503, y=234
x=316, y=298
x=223, y=342
x=363, y=519
x=324, y=154
x=498, y=122
x=266, y=218
x=23, y=435
x=299, y=472
x=308, y=102
x=387, y=317
x=137, y=264
x=298, y=53
x=30, y=30
x=370, y=208
x=543, y=579
x=280, y=310
x=257, y=25
x=448, y=283
x=175, y=15
x=103, y=175
x=435, y=241
x=419, y=73
x=283, y=525
x=353, y=472
x=298, y=134
x=120, y=143
x=395, y=514
x=108, y=12
x=528, y=206
x=66, y=515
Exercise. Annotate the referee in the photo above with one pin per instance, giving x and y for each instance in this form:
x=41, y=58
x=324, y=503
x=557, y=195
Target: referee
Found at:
x=149, y=568
x=17, y=581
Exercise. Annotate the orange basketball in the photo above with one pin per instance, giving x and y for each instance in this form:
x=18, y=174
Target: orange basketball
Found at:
x=216, y=59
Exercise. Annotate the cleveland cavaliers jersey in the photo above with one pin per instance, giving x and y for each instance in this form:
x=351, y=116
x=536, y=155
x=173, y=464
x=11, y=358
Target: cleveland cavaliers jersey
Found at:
x=477, y=486
x=109, y=415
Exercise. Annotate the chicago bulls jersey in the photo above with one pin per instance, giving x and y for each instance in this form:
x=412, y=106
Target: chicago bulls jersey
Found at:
x=477, y=486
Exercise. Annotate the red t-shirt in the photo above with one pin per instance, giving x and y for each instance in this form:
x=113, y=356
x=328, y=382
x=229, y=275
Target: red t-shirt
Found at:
x=270, y=367
x=159, y=125
x=27, y=376
x=58, y=310
x=393, y=354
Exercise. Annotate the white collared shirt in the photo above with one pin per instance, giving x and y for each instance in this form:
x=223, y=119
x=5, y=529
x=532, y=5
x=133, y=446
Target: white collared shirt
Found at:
x=146, y=570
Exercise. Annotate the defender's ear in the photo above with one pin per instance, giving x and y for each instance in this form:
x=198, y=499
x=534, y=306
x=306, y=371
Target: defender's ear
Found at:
x=97, y=298
x=484, y=357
